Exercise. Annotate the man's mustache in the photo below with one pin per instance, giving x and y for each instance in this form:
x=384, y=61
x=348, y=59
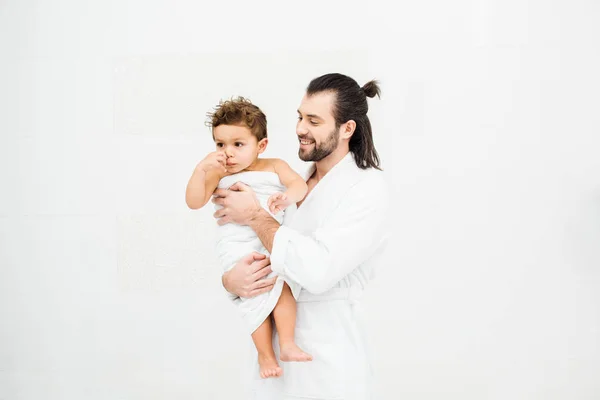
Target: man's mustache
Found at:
x=305, y=138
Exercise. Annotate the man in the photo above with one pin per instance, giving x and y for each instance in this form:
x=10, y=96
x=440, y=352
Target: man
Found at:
x=328, y=245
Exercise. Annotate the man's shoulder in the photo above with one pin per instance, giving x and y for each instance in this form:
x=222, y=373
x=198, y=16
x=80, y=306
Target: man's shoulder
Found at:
x=373, y=185
x=372, y=177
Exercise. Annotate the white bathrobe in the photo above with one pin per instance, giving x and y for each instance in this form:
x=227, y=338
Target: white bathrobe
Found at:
x=329, y=246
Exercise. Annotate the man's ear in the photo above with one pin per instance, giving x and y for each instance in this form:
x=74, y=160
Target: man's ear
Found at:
x=262, y=145
x=348, y=129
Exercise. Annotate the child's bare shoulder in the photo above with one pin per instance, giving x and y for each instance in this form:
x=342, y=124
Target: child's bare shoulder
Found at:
x=273, y=164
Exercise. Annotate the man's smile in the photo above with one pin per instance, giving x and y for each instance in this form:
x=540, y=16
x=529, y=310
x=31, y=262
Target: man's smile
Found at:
x=306, y=142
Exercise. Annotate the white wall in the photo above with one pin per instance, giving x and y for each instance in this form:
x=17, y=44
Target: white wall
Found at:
x=488, y=127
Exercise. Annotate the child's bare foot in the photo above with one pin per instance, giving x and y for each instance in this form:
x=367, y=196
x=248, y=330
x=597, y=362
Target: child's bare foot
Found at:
x=269, y=367
x=291, y=352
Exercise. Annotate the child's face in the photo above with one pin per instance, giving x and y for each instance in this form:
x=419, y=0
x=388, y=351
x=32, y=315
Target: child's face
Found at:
x=239, y=145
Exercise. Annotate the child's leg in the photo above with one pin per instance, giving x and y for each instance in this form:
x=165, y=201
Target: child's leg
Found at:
x=263, y=340
x=285, y=320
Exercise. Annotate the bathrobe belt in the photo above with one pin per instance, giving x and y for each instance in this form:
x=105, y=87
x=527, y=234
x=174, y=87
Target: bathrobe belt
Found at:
x=347, y=293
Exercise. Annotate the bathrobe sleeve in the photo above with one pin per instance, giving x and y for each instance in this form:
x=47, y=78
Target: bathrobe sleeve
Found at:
x=349, y=237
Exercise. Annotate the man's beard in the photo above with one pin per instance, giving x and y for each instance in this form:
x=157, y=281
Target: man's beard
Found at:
x=321, y=151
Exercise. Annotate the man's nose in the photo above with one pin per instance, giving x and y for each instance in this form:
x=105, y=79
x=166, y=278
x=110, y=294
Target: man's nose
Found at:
x=301, y=129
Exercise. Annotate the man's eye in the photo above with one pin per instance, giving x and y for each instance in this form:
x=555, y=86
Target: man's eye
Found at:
x=299, y=118
x=313, y=122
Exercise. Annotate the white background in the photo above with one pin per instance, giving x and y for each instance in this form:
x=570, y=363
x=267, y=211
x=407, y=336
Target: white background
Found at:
x=489, y=131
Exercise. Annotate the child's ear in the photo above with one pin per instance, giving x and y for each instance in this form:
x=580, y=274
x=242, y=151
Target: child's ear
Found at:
x=262, y=145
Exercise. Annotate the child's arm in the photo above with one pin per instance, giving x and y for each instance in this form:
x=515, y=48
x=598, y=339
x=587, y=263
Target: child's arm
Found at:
x=296, y=187
x=204, y=180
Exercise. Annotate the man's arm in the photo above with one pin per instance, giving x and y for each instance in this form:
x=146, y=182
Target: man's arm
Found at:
x=265, y=227
x=354, y=231
x=351, y=234
x=240, y=205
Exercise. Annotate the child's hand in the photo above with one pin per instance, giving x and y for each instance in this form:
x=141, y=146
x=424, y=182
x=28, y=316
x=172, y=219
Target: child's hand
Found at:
x=215, y=160
x=278, y=202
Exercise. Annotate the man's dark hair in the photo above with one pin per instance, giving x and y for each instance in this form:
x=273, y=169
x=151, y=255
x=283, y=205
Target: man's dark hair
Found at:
x=351, y=104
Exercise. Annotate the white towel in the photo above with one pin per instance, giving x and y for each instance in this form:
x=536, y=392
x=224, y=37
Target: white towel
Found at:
x=235, y=241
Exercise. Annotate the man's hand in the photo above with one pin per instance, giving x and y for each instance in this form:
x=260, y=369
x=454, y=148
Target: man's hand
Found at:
x=245, y=279
x=239, y=203
x=278, y=202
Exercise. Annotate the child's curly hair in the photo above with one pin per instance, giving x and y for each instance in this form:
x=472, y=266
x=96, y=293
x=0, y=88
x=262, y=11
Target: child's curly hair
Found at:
x=239, y=111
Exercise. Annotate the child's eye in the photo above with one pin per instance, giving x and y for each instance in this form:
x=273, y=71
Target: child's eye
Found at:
x=219, y=144
x=238, y=144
